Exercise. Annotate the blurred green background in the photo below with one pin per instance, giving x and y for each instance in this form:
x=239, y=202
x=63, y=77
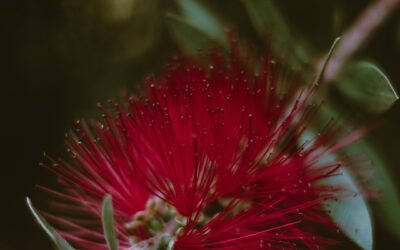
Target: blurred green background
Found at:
x=60, y=57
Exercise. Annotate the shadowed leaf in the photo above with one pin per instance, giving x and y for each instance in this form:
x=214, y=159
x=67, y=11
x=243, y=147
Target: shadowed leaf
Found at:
x=267, y=20
x=196, y=14
x=190, y=38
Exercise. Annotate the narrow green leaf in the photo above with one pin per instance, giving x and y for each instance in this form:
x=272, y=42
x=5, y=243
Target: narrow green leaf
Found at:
x=107, y=216
x=267, y=20
x=367, y=86
x=196, y=14
x=189, y=37
x=60, y=243
x=326, y=61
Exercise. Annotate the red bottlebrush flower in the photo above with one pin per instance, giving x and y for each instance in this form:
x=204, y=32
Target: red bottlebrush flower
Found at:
x=210, y=158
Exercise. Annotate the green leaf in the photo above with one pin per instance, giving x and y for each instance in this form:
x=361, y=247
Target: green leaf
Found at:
x=387, y=206
x=351, y=212
x=366, y=85
x=189, y=37
x=107, y=216
x=60, y=243
x=267, y=19
x=197, y=15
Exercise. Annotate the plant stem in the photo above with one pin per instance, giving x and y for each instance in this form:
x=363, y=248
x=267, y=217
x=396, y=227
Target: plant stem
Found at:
x=353, y=39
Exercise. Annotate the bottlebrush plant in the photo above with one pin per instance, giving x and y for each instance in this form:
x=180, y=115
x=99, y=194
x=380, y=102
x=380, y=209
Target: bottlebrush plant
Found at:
x=209, y=157
x=222, y=152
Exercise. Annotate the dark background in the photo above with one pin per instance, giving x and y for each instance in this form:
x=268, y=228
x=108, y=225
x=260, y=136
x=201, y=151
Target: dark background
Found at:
x=58, y=59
